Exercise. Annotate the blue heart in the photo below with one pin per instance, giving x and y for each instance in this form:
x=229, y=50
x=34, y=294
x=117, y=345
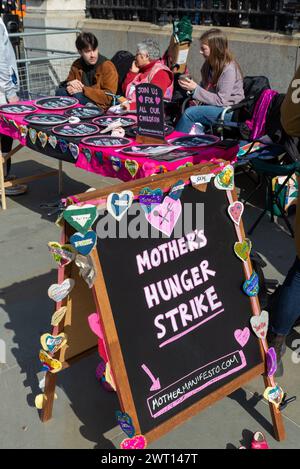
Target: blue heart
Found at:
x=125, y=423
x=63, y=145
x=116, y=163
x=119, y=208
x=149, y=198
x=99, y=156
x=84, y=243
x=176, y=190
x=88, y=154
x=251, y=286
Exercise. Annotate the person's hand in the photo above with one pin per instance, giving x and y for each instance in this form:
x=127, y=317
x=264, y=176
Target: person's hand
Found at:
x=134, y=68
x=76, y=85
x=126, y=105
x=188, y=84
x=13, y=99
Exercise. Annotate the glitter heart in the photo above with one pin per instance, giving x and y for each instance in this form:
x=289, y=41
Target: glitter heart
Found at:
x=132, y=167
x=242, y=250
x=52, y=140
x=137, y=442
x=251, y=286
x=43, y=138
x=32, y=135
x=225, y=179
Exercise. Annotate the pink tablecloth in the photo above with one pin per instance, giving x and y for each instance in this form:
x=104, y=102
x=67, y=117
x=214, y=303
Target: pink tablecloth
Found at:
x=102, y=158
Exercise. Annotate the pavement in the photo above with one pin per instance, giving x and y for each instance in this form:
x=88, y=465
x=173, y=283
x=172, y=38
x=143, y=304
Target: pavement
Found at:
x=83, y=414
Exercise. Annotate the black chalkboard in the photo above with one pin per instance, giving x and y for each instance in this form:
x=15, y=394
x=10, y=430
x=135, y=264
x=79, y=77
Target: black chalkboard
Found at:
x=150, y=111
x=187, y=366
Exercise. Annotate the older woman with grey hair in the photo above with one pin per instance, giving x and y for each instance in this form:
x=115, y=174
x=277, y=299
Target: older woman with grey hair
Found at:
x=147, y=68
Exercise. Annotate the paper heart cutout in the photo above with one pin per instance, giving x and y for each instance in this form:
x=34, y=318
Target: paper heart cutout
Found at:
x=125, y=422
x=84, y=243
x=74, y=149
x=225, y=179
x=23, y=131
x=94, y=324
x=43, y=138
x=99, y=156
x=32, y=135
x=40, y=399
x=242, y=336
x=137, y=442
x=260, y=324
x=236, y=211
x=116, y=163
x=271, y=361
x=52, y=140
x=176, y=190
x=62, y=254
x=49, y=363
x=57, y=292
x=251, y=286
x=149, y=168
x=87, y=269
x=81, y=218
x=119, y=203
x=165, y=216
x=53, y=343
x=88, y=154
x=149, y=198
x=243, y=250
x=58, y=316
x=132, y=167
x=63, y=145
x=274, y=395
x=157, y=100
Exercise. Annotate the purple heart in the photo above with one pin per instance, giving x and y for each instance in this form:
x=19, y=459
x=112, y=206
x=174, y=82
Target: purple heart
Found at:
x=271, y=361
x=63, y=146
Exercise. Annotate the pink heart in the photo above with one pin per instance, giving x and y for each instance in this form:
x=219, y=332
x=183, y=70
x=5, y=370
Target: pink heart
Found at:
x=94, y=324
x=149, y=168
x=165, y=216
x=137, y=442
x=236, y=211
x=141, y=99
x=242, y=336
x=157, y=100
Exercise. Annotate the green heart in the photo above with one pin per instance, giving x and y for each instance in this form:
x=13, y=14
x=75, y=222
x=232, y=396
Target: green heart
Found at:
x=132, y=167
x=242, y=250
x=81, y=218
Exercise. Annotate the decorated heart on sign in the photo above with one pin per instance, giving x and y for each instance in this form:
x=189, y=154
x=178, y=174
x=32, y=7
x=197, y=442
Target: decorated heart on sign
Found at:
x=236, y=211
x=157, y=100
x=49, y=363
x=137, y=442
x=32, y=135
x=125, y=423
x=58, y=316
x=43, y=138
x=260, y=324
x=149, y=168
x=225, y=180
x=23, y=131
x=243, y=250
x=165, y=216
x=63, y=145
x=99, y=156
x=149, y=198
x=176, y=190
x=118, y=203
x=81, y=218
x=116, y=163
x=62, y=254
x=271, y=361
x=242, y=336
x=88, y=154
x=74, y=149
x=274, y=395
x=84, y=243
x=53, y=343
x=132, y=167
x=141, y=99
x=87, y=269
x=52, y=140
x=57, y=292
x=251, y=286
x=94, y=324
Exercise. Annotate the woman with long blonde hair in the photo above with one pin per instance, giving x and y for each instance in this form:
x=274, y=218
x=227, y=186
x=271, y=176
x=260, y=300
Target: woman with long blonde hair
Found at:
x=221, y=83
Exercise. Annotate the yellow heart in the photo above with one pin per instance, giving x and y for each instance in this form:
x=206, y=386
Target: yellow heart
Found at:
x=54, y=365
x=58, y=316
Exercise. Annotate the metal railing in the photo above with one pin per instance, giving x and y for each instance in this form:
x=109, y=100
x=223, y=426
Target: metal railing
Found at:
x=272, y=15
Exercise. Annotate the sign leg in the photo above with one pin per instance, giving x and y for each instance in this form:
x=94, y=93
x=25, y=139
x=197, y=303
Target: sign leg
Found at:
x=50, y=386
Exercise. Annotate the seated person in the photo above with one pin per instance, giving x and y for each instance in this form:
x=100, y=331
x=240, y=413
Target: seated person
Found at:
x=91, y=76
x=221, y=85
x=147, y=68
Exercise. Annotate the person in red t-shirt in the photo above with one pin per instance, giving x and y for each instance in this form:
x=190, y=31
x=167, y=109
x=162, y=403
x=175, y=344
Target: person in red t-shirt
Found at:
x=147, y=68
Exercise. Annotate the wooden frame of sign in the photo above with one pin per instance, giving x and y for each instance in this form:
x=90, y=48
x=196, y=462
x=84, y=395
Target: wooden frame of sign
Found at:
x=115, y=353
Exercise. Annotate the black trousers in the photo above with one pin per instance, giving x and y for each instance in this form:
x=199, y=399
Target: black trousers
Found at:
x=6, y=146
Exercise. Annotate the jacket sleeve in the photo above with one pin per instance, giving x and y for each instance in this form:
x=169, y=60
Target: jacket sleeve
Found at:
x=7, y=86
x=72, y=74
x=224, y=89
x=290, y=108
x=108, y=81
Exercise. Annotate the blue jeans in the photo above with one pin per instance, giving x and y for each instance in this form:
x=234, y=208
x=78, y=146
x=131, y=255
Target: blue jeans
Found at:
x=204, y=115
x=287, y=308
x=80, y=96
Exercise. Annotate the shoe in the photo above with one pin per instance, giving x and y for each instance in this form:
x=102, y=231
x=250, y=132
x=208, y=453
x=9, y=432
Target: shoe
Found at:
x=242, y=447
x=259, y=441
x=16, y=190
